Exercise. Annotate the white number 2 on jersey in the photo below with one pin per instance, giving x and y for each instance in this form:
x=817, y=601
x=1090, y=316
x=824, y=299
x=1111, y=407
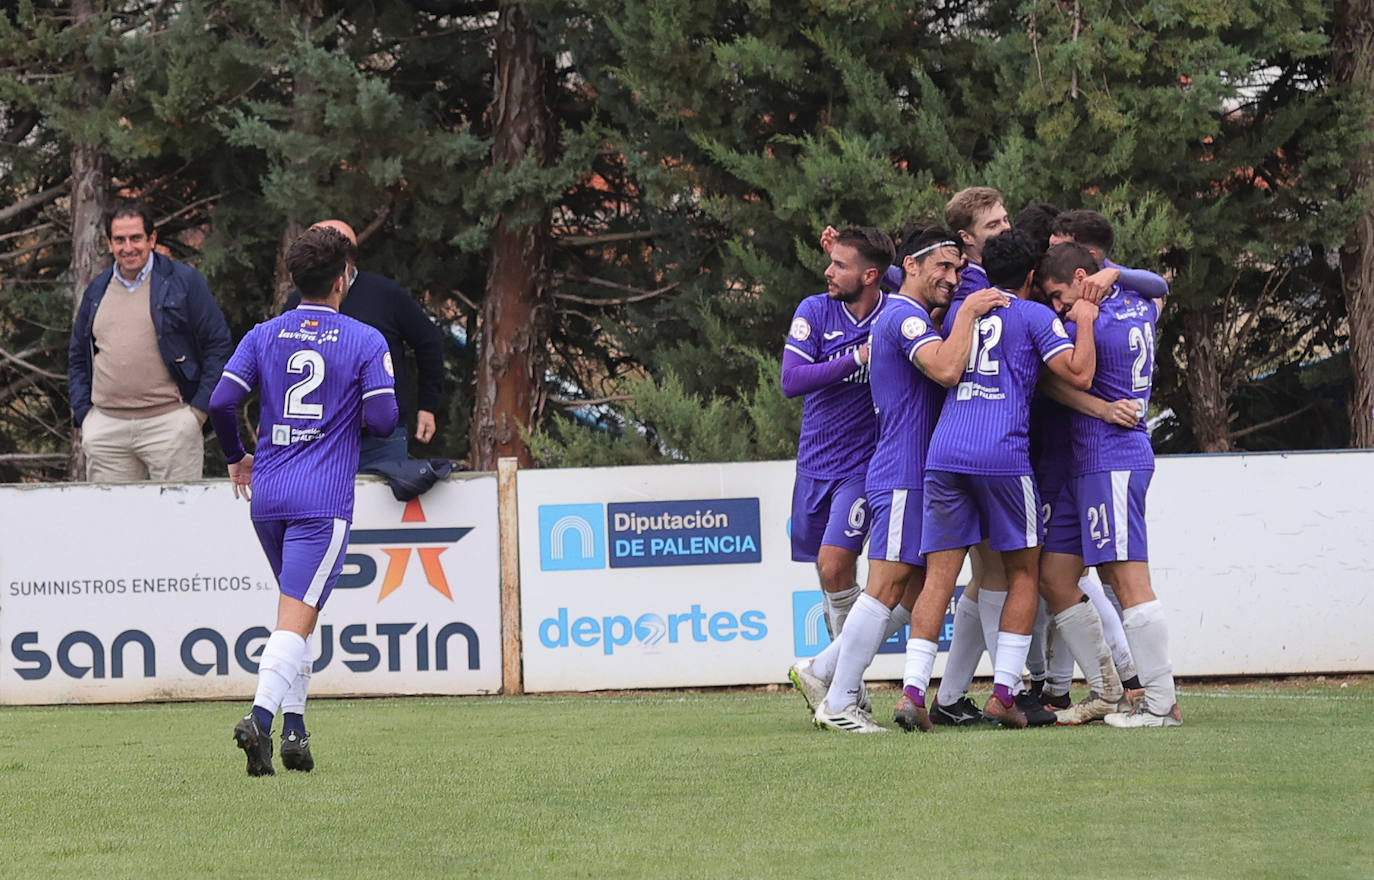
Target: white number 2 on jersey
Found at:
x=1142, y=342
x=311, y=363
x=986, y=334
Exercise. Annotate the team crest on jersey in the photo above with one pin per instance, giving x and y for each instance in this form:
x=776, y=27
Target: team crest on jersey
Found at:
x=913, y=327
x=800, y=329
x=1059, y=329
x=386, y=365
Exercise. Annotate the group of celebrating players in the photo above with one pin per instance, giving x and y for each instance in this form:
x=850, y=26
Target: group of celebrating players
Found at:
x=993, y=401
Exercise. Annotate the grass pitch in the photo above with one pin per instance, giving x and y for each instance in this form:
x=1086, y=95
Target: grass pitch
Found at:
x=1272, y=780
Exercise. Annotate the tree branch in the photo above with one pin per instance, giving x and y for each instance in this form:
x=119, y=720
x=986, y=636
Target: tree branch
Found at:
x=30, y=367
x=33, y=201
x=32, y=457
x=575, y=402
x=1235, y=435
x=639, y=293
x=605, y=238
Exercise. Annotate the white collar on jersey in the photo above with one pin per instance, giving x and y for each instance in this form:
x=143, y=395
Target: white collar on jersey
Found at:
x=317, y=307
x=877, y=307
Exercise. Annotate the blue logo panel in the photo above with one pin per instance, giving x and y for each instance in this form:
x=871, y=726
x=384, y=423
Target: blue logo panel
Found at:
x=571, y=536
x=717, y=531
x=809, y=635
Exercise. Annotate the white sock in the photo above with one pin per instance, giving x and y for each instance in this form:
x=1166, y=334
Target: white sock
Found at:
x=863, y=634
x=823, y=665
x=837, y=607
x=990, y=605
x=1059, y=663
x=294, y=701
x=920, y=663
x=1035, y=657
x=1080, y=629
x=1010, y=659
x=965, y=650
x=280, y=663
x=1111, y=626
x=1148, y=633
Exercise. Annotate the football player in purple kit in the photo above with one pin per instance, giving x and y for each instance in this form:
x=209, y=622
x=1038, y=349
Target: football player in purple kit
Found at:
x=911, y=366
x=321, y=375
x=978, y=482
x=1112, y=468
x=826, y=360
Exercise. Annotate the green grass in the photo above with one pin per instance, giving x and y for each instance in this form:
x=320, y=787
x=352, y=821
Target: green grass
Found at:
x=1261, y=781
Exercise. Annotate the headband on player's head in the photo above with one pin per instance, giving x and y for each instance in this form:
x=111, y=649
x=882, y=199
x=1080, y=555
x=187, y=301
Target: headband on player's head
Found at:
x=933, y=247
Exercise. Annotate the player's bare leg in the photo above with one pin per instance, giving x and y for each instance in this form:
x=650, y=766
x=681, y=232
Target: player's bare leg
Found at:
x=838, y=569
x=1148, y=634
x=927, y=616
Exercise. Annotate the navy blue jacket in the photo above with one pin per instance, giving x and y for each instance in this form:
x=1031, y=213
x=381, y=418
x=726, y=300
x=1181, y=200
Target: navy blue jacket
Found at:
x=192, y=334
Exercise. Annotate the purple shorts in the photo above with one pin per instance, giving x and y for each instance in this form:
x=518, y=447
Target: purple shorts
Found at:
x=896, y=535
x=963, y=509
x=832, y=512
x=1111, y=509
x=306, y=555
x=1059, y=516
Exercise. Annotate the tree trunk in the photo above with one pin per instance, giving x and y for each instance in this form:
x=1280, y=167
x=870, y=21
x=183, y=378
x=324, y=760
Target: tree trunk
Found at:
x=90, y=185
x=512, y=350
x=1353, y=57
x=1208, y=390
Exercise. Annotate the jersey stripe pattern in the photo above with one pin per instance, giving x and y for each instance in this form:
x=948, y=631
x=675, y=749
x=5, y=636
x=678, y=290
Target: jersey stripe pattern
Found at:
x=314, y=367
x=838, y=428
x=907, y=402
x=984, y=426
x=1125, y=336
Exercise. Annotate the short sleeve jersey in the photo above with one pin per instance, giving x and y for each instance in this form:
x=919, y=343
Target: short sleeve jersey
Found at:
x=314, y=368
x=838, y=428
x=984, y=427
x=1125, y=336
x=972, y=279
x=906, y=400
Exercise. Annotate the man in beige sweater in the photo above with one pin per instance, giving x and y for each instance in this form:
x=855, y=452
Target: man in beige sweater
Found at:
x=147, y=348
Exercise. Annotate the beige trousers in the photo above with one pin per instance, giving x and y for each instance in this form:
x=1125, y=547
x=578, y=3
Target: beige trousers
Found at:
x=167, y=448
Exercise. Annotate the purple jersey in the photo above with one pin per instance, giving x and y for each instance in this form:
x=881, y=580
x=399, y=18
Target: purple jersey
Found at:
x=1051, y=441
x=1125, y=335
x=907, y=401
x=984, y=427
x=838, y=427
x=314, y=367
x=972, y=279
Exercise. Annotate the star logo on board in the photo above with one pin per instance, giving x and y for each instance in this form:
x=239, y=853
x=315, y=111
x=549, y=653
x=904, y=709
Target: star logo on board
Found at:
x=426, y=542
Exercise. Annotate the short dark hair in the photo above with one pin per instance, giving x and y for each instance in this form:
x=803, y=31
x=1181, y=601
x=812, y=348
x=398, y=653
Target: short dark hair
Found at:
x=1037, y=219
x=1060, y=262
x=928, y=239
x=1008, y=258
x=874, y=246
x=129, y=208
x=1087, y=228
x=315, y=259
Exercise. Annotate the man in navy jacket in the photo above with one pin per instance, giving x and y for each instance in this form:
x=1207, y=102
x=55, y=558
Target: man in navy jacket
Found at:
x=147, y=348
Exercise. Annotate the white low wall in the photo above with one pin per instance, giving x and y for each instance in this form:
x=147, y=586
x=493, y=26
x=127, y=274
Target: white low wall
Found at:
x=667, y=576
x=148, y=592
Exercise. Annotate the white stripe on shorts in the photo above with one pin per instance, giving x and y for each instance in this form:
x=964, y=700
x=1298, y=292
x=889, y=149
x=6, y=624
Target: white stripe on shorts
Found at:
x=895, y=518
x=1032, y=512
x=1121, y=513
x=331, y=556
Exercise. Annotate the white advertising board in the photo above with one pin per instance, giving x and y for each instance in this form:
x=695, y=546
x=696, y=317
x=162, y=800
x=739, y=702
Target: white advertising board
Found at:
x=146, y=592
x=1260, y=560
x=666, y=576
